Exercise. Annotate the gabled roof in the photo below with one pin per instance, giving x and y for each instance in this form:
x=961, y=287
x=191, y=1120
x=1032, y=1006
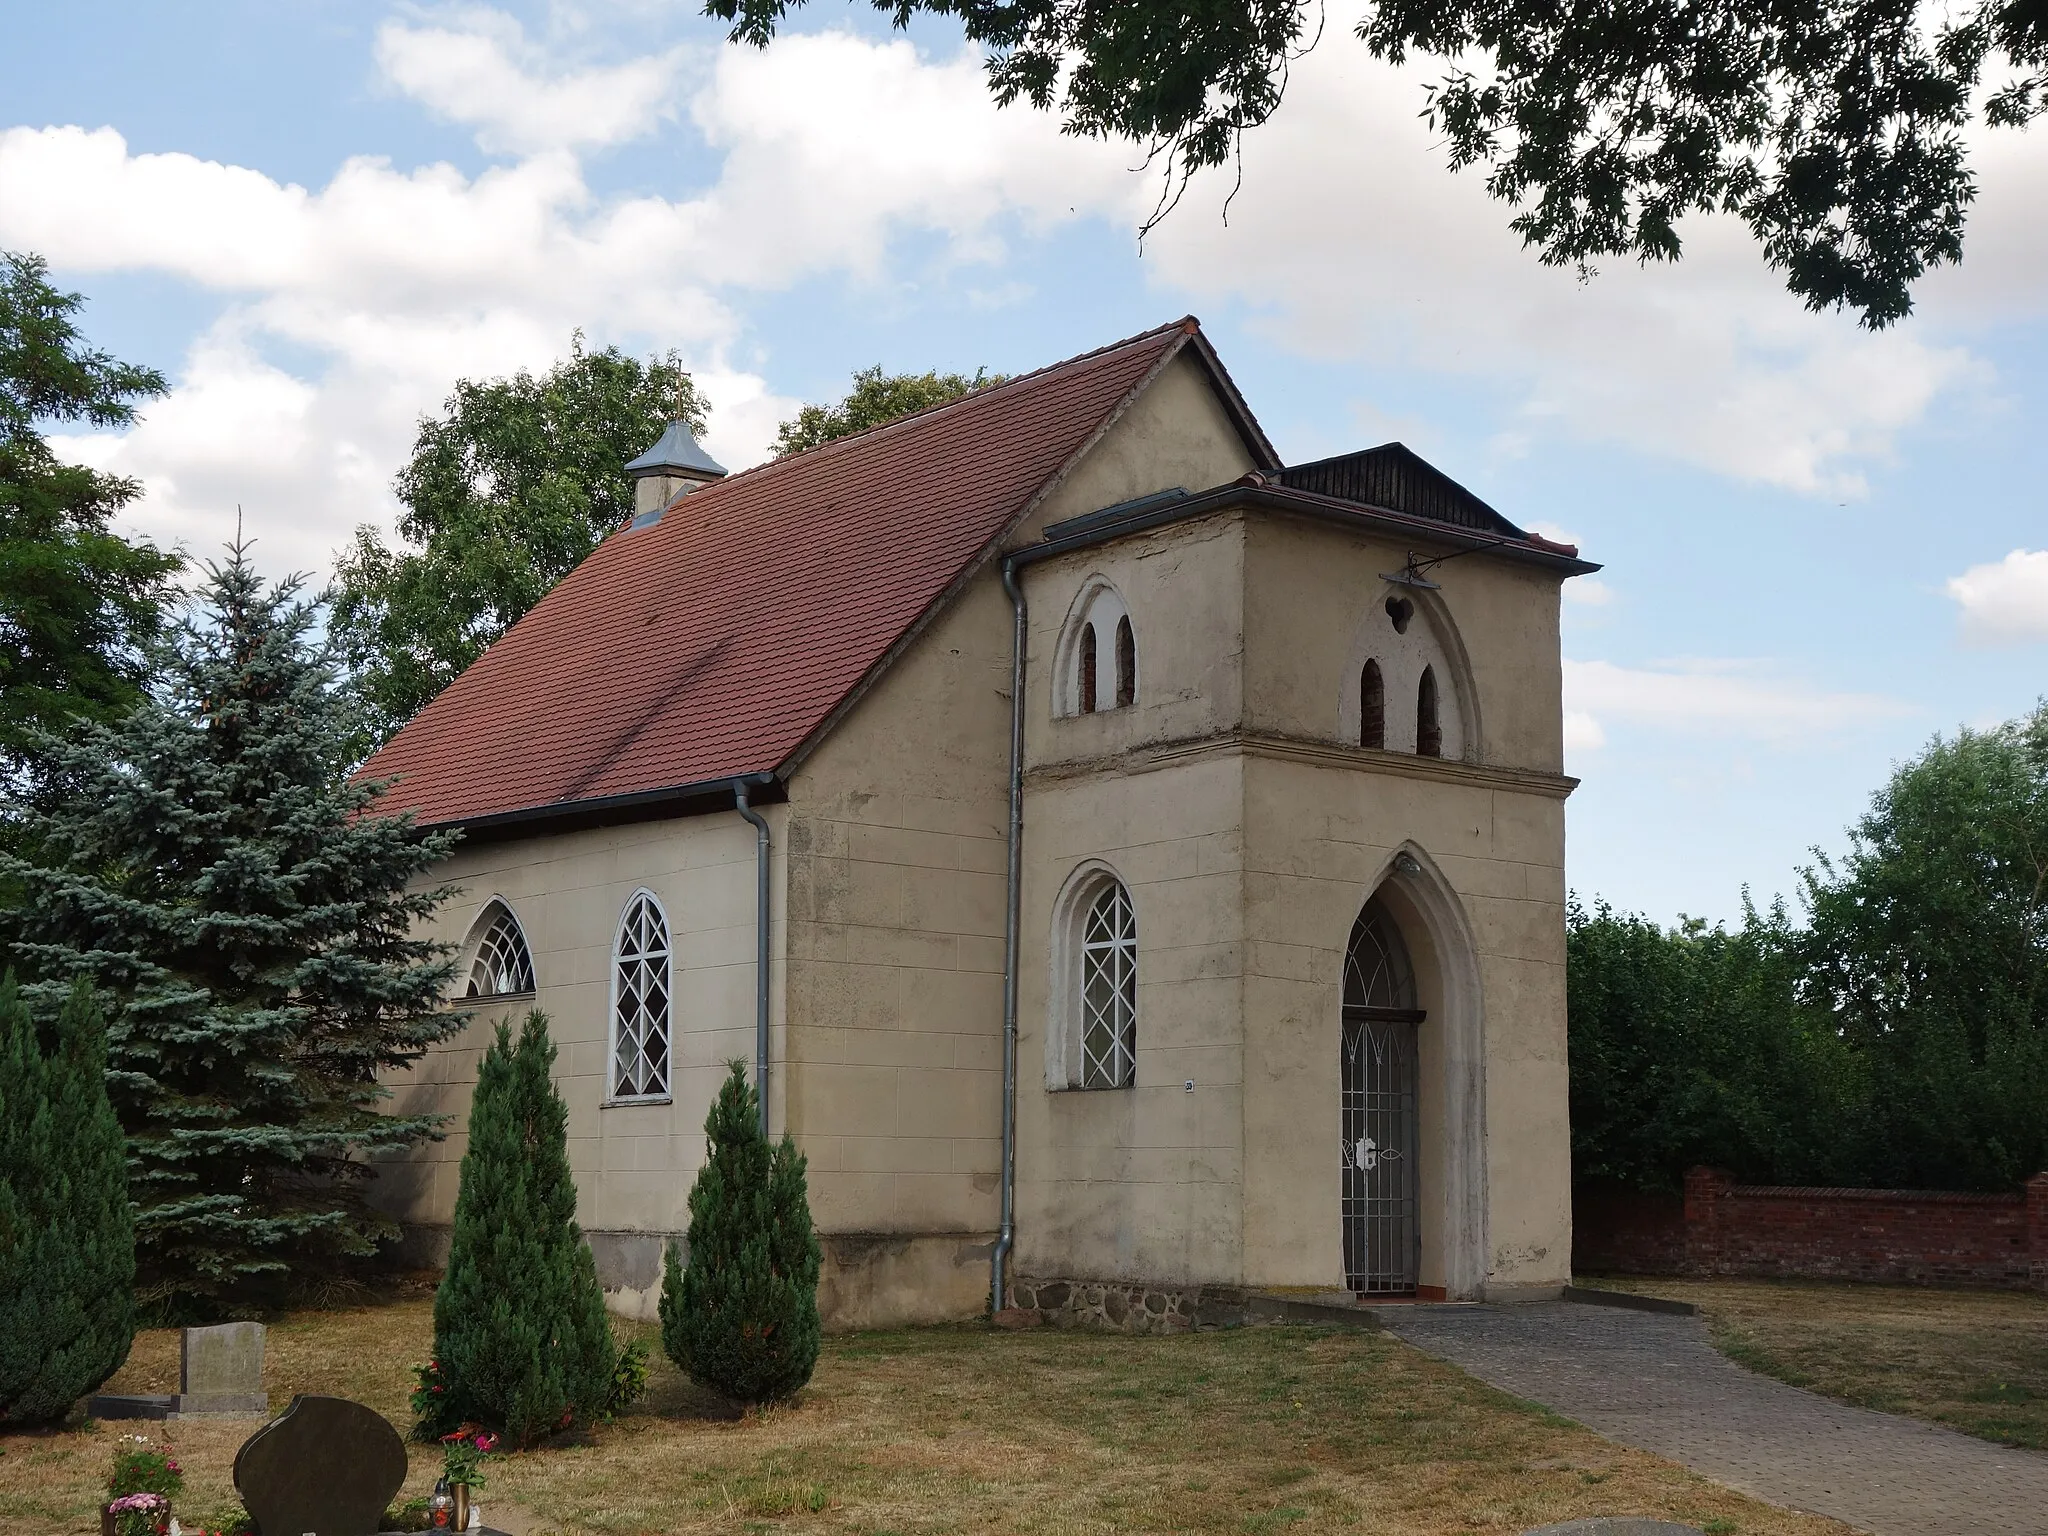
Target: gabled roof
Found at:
x=718, y=641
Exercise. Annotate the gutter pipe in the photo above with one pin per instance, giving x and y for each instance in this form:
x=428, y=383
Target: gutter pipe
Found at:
x=739, y=798
x=1006, y=1239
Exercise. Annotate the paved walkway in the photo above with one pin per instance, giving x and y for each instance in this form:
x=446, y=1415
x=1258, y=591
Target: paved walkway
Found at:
x=1655, y=1382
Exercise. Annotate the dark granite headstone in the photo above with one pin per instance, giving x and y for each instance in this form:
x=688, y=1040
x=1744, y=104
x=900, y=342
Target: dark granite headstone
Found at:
x=323, y=1467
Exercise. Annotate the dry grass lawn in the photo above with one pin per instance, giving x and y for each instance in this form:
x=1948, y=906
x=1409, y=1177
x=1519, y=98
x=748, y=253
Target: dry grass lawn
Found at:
x=1974, y=1360
x=965, y=1430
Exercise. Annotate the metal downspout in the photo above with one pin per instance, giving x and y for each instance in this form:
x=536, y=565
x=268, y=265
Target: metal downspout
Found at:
x=739, y=796
x=1008, y=1235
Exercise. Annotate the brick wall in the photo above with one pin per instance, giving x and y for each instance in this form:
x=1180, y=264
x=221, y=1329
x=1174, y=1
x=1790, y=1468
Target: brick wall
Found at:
x=1902, y=1236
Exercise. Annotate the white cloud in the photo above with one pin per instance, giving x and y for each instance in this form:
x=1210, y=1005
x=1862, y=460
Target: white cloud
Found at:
x=2004, y=602
x=1582, y=732
x=397, y=282
x=349, y=308
x=1356, y=242
x=1588, y=592
x=1721, y=698
x=477, y=68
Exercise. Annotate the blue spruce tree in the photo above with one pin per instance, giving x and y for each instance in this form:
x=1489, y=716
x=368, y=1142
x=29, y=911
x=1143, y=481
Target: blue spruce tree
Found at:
x=208, y=864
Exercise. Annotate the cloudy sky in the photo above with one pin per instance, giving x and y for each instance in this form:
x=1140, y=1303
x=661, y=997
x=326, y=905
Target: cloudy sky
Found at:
x=1822, y=546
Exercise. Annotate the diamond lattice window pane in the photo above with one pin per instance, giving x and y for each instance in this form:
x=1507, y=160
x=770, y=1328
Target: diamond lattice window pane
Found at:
x=641, y=1023
x=1109, y=992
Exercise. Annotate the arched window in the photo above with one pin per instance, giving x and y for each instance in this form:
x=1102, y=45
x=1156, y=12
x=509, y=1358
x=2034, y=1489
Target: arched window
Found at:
x=1109, y=990
x=1095, y=663
x=1372, y=707
x=1429, y=733
x=500, y=965
x=640, y=1002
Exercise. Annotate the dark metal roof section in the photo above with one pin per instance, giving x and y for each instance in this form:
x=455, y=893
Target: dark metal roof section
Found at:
x=678, y=449
x=1392, y=477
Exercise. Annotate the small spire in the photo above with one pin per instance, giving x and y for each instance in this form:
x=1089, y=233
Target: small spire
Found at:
x=677, y=454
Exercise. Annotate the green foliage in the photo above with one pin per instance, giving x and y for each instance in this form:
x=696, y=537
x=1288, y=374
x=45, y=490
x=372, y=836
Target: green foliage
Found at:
x=67, y=1240
x=742, y=1318
x=521, y=1340
x=142, y=1468
x=251, y=921
x=463, y=1453
x=1898, y=1039
x=1834, y=129
x=1929, y=947
x=504, y=495
x=629, y=1380
x=413, y=1514
x=875, y=399
x=1688, y=1046
x=79, y=605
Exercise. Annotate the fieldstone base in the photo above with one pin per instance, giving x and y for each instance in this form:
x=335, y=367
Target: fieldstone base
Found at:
x=1114, y=1306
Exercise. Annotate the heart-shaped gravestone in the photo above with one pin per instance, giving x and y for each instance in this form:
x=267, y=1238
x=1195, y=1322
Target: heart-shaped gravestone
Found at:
x=323, y=1467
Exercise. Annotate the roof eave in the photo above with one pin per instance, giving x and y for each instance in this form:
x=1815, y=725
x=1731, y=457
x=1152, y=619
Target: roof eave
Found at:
x=697, y=798
x=1306, y=504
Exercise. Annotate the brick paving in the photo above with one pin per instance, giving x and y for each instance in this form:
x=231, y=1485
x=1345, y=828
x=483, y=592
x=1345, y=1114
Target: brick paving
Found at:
x=1655, y=1382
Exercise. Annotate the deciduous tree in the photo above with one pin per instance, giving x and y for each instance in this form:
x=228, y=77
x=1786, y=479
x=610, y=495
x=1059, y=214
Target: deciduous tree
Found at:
x=1834, y=129
x=79, y=604
x=875, y=399
x=504, y=495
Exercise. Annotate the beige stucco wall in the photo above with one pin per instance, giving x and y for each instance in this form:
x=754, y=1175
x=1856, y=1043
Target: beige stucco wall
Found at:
x=1250, y=831
x=633, y=1162
x=897, y=851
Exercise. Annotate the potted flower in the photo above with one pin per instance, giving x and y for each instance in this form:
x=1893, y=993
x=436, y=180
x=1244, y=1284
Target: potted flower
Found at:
x=462, y=1463
x=140, y=1488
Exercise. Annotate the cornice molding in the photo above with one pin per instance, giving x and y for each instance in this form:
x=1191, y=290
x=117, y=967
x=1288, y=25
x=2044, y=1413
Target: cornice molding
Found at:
x=1316, y=754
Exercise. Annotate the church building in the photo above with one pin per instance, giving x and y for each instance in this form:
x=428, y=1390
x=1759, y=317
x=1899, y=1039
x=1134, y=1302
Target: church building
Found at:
x=1122, y=857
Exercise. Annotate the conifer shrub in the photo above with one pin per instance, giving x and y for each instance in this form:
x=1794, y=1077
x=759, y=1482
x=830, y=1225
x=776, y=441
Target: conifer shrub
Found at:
x=522, y=1344
x=742, y=1316
x=67, y=1239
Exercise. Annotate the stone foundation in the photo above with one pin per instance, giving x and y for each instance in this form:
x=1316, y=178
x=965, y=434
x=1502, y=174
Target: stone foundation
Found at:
x=1117, y=1306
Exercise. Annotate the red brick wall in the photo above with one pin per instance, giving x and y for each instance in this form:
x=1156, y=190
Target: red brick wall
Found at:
x=1909, y=1237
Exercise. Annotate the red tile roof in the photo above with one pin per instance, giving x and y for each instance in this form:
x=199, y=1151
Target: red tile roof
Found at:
x=717, y=641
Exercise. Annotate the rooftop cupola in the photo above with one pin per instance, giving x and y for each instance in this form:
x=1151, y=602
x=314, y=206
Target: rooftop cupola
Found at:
x=673, y=467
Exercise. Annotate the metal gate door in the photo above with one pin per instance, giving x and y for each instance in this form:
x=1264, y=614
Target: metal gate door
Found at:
x=1382, y=1231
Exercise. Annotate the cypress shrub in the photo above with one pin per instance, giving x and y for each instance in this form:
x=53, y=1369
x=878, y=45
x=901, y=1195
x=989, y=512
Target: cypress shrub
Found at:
x=742, y=1317
x=67, y=1238
x=521, y=1340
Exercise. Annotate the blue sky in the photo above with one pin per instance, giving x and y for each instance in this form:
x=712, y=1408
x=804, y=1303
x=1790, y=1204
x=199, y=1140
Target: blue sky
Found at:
x=1822, y=546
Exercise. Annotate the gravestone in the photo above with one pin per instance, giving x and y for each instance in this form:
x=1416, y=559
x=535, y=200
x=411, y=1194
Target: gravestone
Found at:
x=220, y=1370
x=323, y=1467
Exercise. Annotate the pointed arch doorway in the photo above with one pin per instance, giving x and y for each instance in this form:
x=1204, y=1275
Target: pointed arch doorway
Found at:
x=1380, y=1087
